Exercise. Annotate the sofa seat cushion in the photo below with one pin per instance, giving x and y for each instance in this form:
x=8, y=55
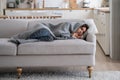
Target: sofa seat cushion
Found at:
x=7, y=48
x=71, y=46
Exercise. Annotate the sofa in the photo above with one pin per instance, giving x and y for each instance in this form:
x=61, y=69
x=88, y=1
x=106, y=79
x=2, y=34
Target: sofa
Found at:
x=71, y=52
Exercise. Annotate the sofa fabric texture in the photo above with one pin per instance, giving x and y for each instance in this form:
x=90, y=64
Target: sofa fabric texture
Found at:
x=8, y=28
x=42, y=53
x=70, y=46
x=46, y=60
x=7, y=48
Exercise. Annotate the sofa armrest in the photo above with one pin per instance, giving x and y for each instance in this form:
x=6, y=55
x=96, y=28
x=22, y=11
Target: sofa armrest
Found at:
x=91, y=38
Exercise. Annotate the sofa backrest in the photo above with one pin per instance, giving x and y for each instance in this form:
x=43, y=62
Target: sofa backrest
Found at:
x=8, y=28
x=92, y=27
x=33, y=23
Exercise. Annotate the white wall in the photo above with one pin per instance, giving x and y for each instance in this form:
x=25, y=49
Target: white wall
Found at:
x=93, y=4
x=96, y=3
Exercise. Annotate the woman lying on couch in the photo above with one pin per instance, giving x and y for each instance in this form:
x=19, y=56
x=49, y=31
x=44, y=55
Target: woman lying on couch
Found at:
x=55, y=34
x=80, y=31
x=61, y=31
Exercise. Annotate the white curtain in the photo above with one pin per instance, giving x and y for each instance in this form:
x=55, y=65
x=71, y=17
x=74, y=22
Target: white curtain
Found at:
x=115, y=29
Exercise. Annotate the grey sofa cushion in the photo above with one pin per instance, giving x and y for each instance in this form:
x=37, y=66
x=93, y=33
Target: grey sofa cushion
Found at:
x=7, y=48
x=9, y=27
x=92, y=27
x=72, y=46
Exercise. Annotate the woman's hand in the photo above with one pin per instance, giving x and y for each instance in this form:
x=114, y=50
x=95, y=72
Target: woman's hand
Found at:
x=76, y=35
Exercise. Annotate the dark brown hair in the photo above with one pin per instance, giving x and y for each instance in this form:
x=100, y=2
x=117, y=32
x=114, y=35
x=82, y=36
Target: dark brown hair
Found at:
x=85, y=25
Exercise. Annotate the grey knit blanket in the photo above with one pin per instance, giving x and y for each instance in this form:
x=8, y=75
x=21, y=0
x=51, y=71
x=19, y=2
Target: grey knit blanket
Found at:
x=61, y=31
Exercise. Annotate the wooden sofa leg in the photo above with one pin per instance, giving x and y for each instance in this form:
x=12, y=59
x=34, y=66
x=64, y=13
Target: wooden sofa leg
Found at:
x=19, y=71
x=90, y=68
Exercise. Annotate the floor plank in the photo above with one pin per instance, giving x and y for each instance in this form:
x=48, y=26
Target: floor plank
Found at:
x=105, y=62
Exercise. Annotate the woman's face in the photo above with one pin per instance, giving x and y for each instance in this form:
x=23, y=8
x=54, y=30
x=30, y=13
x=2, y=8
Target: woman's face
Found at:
x=78, y=34
x=81, y=30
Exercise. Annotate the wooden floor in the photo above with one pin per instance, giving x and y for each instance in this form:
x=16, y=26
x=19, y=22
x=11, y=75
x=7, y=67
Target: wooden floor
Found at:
x=104, y=62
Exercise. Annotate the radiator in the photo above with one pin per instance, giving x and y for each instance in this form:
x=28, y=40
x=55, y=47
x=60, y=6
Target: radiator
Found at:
x=29, y=17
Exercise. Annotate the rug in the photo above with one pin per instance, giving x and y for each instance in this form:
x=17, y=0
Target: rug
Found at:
x=61, y=75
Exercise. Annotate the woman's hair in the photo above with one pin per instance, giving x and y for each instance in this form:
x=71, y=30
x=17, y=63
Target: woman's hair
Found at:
x=85, y=34
x=85, y=25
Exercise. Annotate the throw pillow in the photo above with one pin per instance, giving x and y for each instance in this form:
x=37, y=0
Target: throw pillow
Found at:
x=92, y=26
